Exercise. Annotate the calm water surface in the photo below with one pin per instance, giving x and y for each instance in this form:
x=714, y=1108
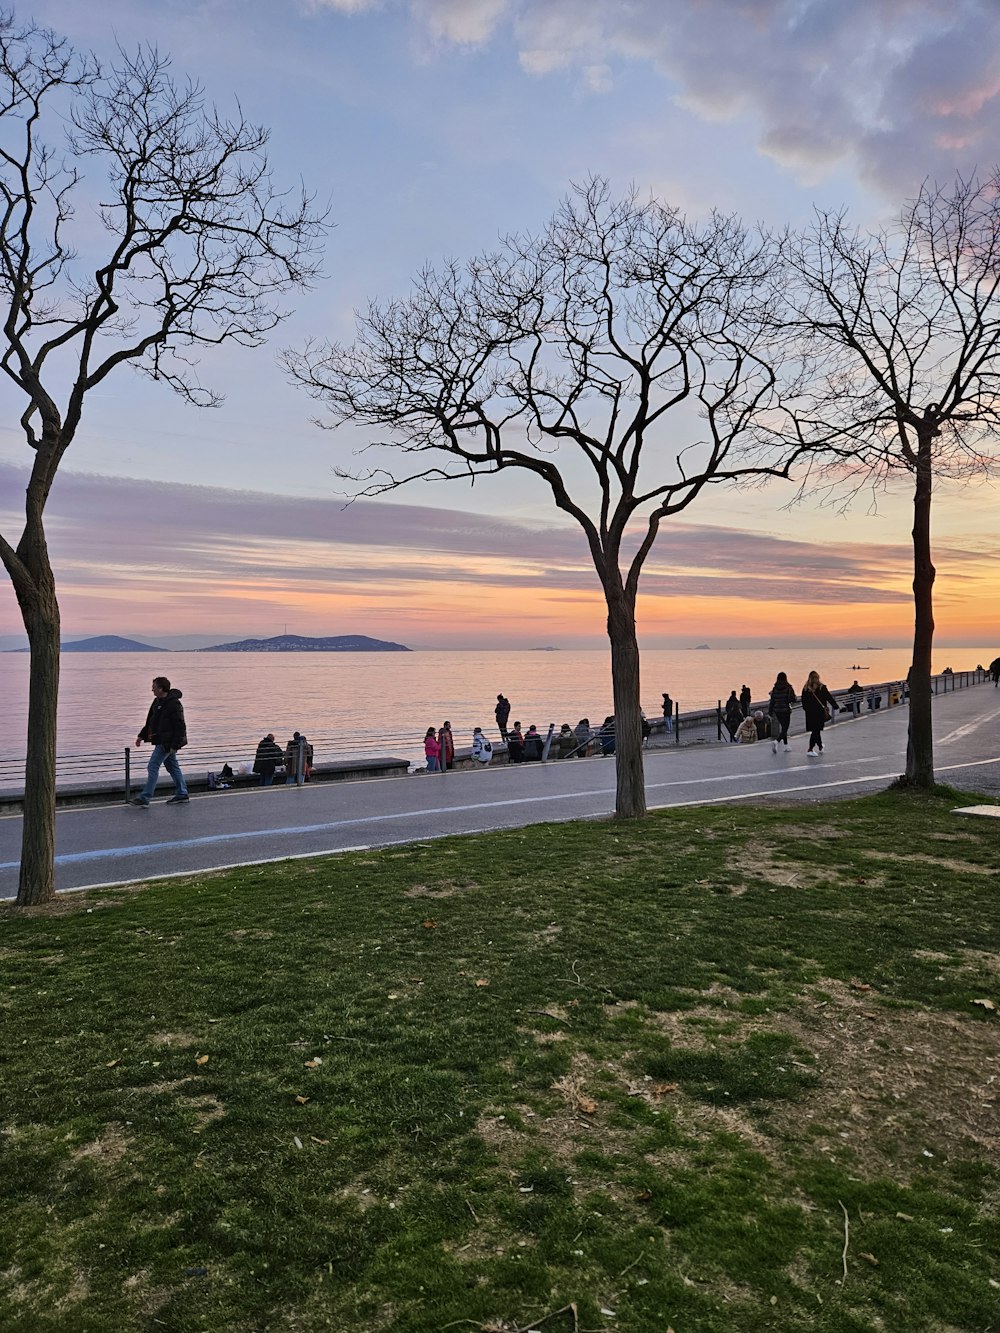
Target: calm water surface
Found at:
x=362, y=704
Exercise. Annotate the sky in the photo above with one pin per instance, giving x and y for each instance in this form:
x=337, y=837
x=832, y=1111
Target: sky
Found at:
x=431, y=128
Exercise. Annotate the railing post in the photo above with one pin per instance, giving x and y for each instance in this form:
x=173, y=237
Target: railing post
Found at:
x=300, y=762
x=718, y=718
x=128, y=775
x=677, y=724
x=547, y=744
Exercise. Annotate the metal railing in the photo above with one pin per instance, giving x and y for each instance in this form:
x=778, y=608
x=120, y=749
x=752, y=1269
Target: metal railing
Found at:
x=129, y=765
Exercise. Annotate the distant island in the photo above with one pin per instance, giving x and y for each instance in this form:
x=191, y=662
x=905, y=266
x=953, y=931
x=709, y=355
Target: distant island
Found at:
x=103, y=643
x=296, y=643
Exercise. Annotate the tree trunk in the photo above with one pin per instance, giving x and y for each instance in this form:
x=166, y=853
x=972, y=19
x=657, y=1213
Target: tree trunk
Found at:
x=630, y=797
x=920, y=738
x=36, y=595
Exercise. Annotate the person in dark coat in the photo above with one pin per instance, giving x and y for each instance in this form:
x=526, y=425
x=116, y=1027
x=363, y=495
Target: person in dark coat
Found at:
x=292, y=759
x=606, y=735
x=817, y=704
x=166, y=731
x=269, y=755
x=502, y=712
x=733, y=714
x=668, y=713
x=533, y=744
x=566, y=741
x=515, y=745
x=745, y=700
x=779, y=709
x=995, y=671
x=582, y=733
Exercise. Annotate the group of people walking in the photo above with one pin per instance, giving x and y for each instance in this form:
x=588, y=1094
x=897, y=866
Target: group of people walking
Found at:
x=818, y=705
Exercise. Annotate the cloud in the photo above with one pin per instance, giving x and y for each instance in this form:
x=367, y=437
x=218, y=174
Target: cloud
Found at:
x=116, y=532
x=903, y=88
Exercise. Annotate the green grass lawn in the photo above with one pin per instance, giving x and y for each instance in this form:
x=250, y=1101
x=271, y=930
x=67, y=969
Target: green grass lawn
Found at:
x=725, y=1070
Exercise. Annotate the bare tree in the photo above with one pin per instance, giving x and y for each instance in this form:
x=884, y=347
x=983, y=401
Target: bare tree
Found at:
x=899, y=335
x=199, y=245
x=618, y=356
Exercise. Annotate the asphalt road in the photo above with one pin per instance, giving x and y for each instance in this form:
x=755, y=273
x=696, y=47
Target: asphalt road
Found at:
x=105, y=845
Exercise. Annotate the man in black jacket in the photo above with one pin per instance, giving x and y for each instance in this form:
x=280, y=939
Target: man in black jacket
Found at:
x=166, y=732
x=269, y=755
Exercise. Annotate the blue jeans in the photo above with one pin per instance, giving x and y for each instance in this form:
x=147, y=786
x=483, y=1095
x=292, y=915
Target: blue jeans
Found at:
x=168, y=759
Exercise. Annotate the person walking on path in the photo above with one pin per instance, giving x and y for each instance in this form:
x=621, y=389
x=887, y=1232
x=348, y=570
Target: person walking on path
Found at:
x=995, y=671
x=269, y=755
x=745, y=700
x=817, y=703
x=165, y=730
x=432, y=749
x=668, y=714
x=733, y=714
x=502, y=712
x=780, y=710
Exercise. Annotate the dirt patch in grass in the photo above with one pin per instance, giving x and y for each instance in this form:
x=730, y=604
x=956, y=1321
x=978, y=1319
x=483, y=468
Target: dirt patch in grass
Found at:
x=895, y=1083
x=979, y=961
x=448, y=889
x=756, y=862
x=172, y=1039
x=811, y=833
x=111, y=1146
x=922, y=858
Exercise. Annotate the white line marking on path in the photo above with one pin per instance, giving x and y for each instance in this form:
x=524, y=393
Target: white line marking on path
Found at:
x=968, y=728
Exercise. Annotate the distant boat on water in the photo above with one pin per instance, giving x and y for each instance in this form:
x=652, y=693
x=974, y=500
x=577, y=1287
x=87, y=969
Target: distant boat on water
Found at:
x=699, y=646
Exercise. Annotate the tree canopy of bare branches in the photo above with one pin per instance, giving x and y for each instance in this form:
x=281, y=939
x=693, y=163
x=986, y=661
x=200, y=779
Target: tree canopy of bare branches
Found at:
x=619, y=356
x=199, y=247
x=897, y=337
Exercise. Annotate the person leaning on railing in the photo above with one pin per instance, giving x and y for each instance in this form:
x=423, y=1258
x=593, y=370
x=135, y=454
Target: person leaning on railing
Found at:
x=268, y=757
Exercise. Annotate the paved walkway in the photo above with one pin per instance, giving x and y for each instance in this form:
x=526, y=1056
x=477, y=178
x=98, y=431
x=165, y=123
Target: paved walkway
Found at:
x=104, y=845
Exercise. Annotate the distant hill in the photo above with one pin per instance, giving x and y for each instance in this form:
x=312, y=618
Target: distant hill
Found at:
x=104, y=643
x=296, y=643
